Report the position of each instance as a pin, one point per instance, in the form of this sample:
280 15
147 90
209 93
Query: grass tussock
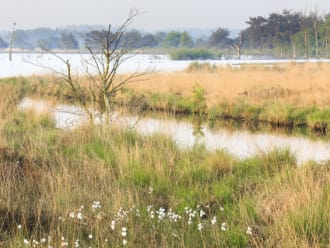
105 187
294 205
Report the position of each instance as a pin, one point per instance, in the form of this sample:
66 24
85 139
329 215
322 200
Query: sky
155 14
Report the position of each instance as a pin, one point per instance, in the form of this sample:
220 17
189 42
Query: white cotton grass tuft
202 213
161 213
214 220
249 231
191 214
196 217
224 226
113 225
200 226
96 205
124 231
65 243
79 216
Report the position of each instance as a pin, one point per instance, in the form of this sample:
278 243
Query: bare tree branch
107 50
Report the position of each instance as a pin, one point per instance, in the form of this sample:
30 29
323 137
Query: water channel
239 143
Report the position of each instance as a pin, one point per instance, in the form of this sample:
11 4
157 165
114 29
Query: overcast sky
157 14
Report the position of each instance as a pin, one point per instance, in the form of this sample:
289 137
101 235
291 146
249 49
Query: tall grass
294 95
106 187
293 205
298 85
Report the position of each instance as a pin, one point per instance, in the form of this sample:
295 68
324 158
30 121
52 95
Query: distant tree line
35 38
294 34
285 34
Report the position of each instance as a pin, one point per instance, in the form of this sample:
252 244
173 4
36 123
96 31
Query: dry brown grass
293 204
294 84
9 96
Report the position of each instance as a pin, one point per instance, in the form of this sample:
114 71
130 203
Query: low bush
192 54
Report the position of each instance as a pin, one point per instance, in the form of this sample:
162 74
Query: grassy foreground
104 187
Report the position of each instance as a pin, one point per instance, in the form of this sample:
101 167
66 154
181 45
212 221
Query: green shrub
199 99
192 54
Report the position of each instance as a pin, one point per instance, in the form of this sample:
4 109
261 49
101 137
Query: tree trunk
306 44
327 45
316 38
239 52
106 100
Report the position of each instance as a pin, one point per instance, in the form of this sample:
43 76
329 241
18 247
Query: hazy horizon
160 15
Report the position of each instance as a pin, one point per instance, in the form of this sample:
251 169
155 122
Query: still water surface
240 143
33 63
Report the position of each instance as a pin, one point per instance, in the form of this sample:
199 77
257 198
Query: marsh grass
107 187
297 219
292 84
291 95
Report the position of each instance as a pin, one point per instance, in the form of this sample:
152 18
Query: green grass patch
192 54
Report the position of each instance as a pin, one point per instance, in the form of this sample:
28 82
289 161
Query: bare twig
107 50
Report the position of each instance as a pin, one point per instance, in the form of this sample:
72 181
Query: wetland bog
101 186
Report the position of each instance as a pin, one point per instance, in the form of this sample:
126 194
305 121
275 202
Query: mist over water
31 64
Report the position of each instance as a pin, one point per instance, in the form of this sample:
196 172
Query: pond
240 143
33 63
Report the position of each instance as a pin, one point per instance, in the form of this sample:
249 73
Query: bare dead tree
107 50
304 27
12 41
327 38
315 24
237 45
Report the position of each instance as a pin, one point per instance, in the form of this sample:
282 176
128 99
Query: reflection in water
198 127
255 126
242 144
25 64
